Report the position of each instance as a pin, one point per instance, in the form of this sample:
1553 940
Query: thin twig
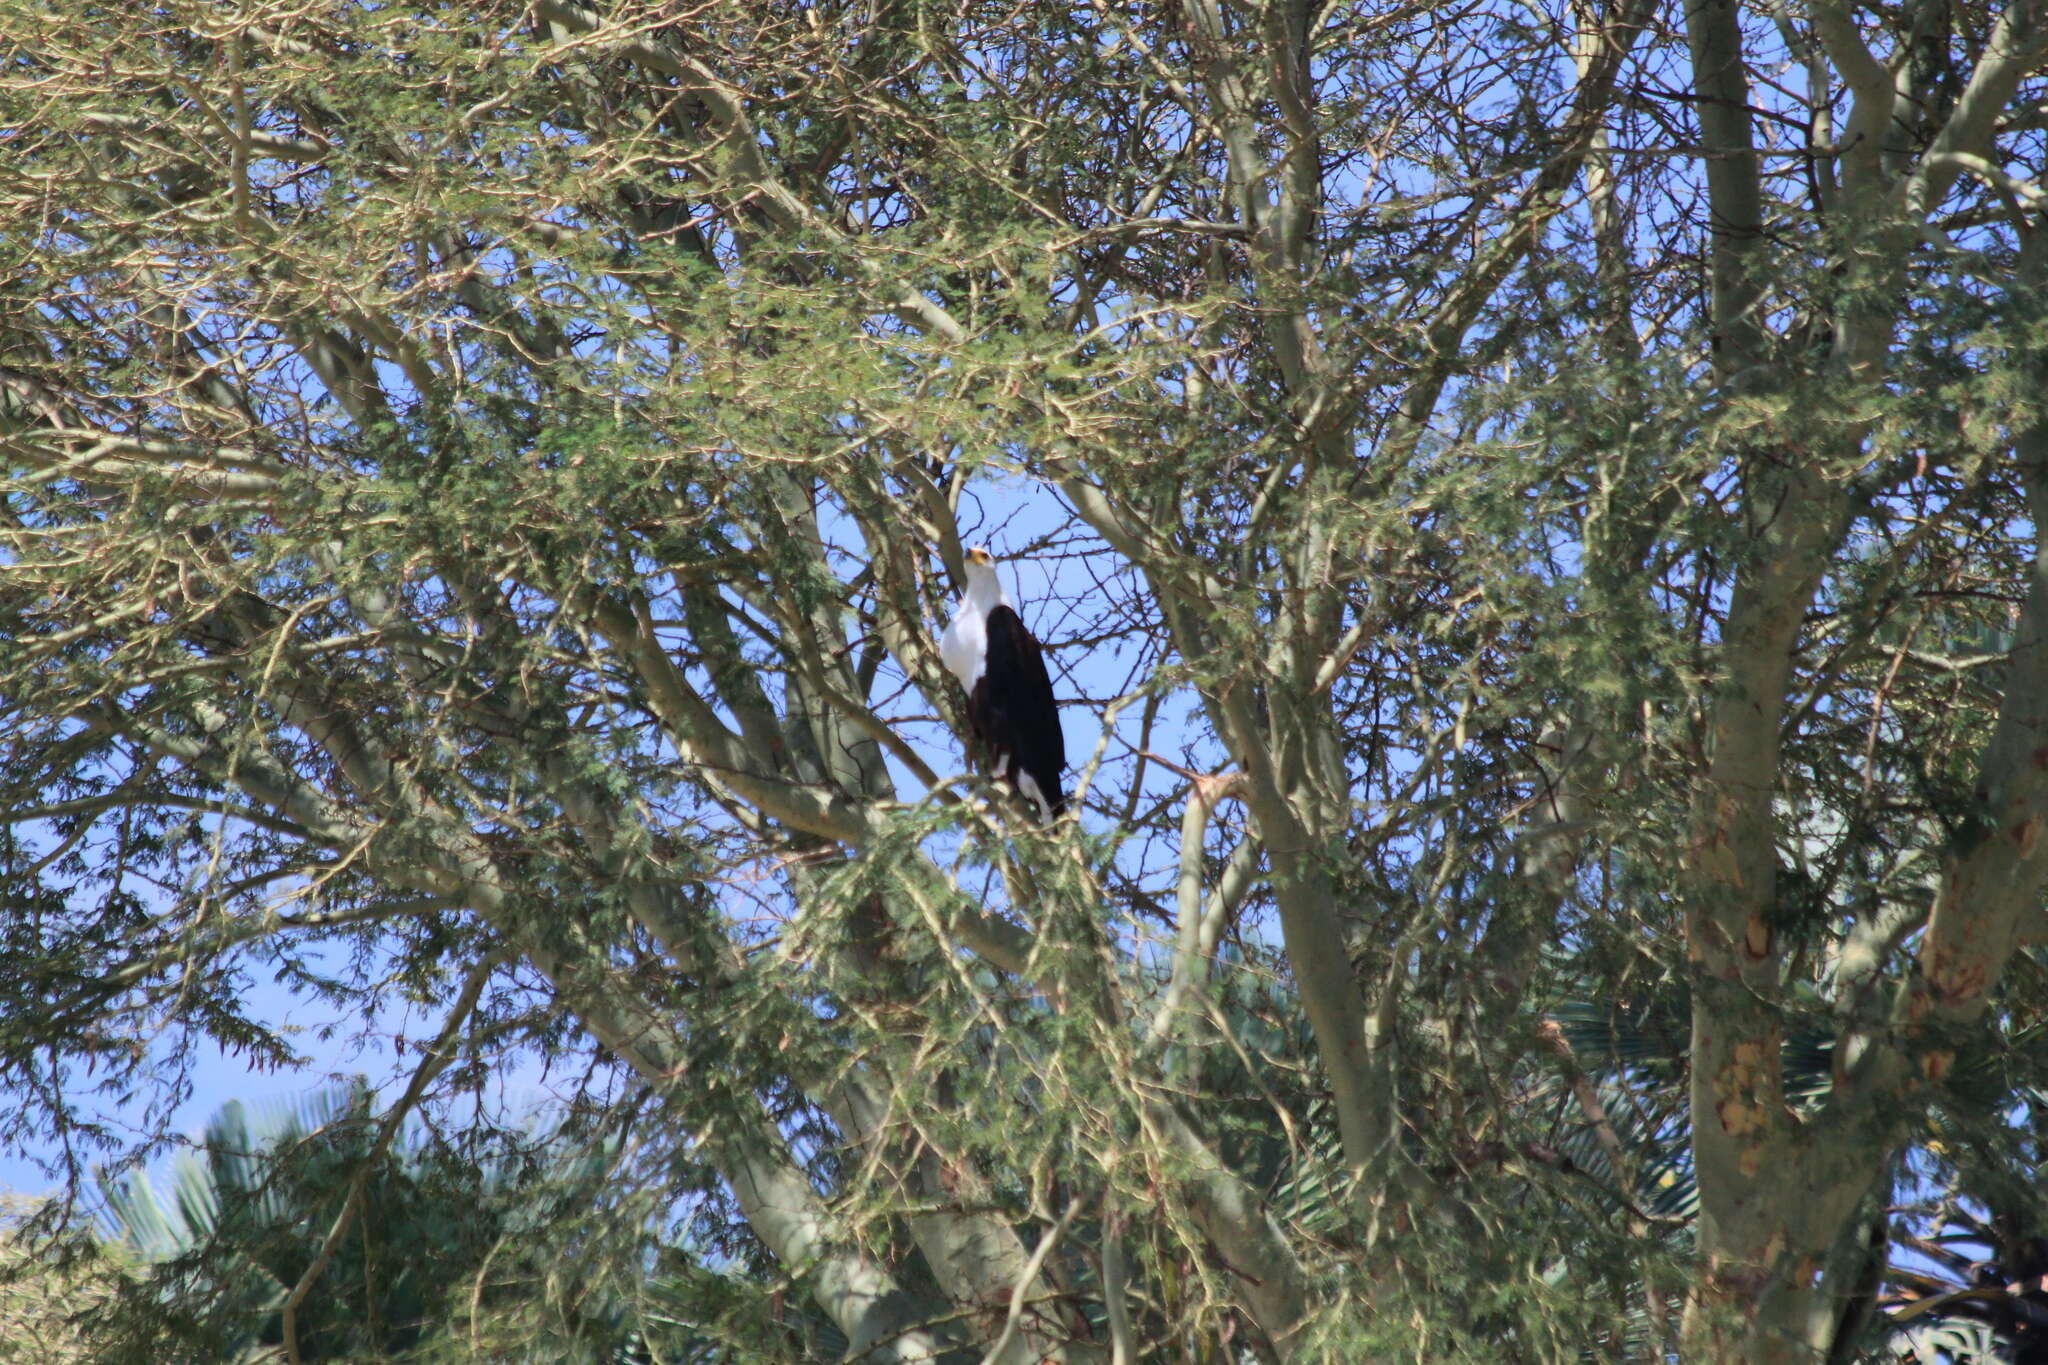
437 1058
1029 1278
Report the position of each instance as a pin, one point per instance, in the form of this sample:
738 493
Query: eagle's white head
984 589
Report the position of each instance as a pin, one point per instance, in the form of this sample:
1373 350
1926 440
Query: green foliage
44 1295
436 1237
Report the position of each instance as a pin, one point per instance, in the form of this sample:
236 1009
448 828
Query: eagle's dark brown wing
1013 712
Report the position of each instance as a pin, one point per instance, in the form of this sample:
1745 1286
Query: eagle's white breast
964 646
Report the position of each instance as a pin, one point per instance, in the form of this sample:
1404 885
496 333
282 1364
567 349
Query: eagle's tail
1052 806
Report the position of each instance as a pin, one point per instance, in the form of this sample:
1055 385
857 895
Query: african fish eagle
1009 696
